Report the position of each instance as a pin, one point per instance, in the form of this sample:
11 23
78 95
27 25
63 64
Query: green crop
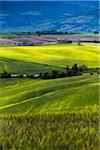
50 131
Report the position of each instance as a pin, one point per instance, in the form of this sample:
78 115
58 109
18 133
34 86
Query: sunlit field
51 114
67 94
60 55
29 95
49 75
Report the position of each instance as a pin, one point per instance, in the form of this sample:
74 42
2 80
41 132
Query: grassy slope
27 95
56 55
17 66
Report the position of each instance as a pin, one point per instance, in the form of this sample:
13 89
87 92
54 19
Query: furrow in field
33 84
34 92
59 98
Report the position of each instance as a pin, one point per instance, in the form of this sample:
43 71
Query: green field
54 114
28 95
29 59
17 66
59 131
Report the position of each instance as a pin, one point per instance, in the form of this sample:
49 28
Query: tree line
39 33
67 72
75 70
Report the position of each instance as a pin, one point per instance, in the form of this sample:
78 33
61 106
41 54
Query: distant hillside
72 16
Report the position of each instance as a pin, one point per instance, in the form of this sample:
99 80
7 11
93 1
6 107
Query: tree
96 32
45 75
54 74
82 68
62 74
6 74
67 68
75 68
38 33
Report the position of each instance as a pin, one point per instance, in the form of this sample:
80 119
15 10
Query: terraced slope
27 95
56 55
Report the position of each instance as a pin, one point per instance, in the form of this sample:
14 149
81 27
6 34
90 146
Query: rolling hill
28 95
18 66
31 59
49 111
51 114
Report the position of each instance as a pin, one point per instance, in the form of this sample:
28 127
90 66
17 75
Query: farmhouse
36 75
14 75
25 76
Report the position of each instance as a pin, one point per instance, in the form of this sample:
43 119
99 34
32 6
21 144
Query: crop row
50 131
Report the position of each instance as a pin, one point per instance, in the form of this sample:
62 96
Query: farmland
30 59
49 75
48 95
18 66
49 114
47 39
67 94
59 131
